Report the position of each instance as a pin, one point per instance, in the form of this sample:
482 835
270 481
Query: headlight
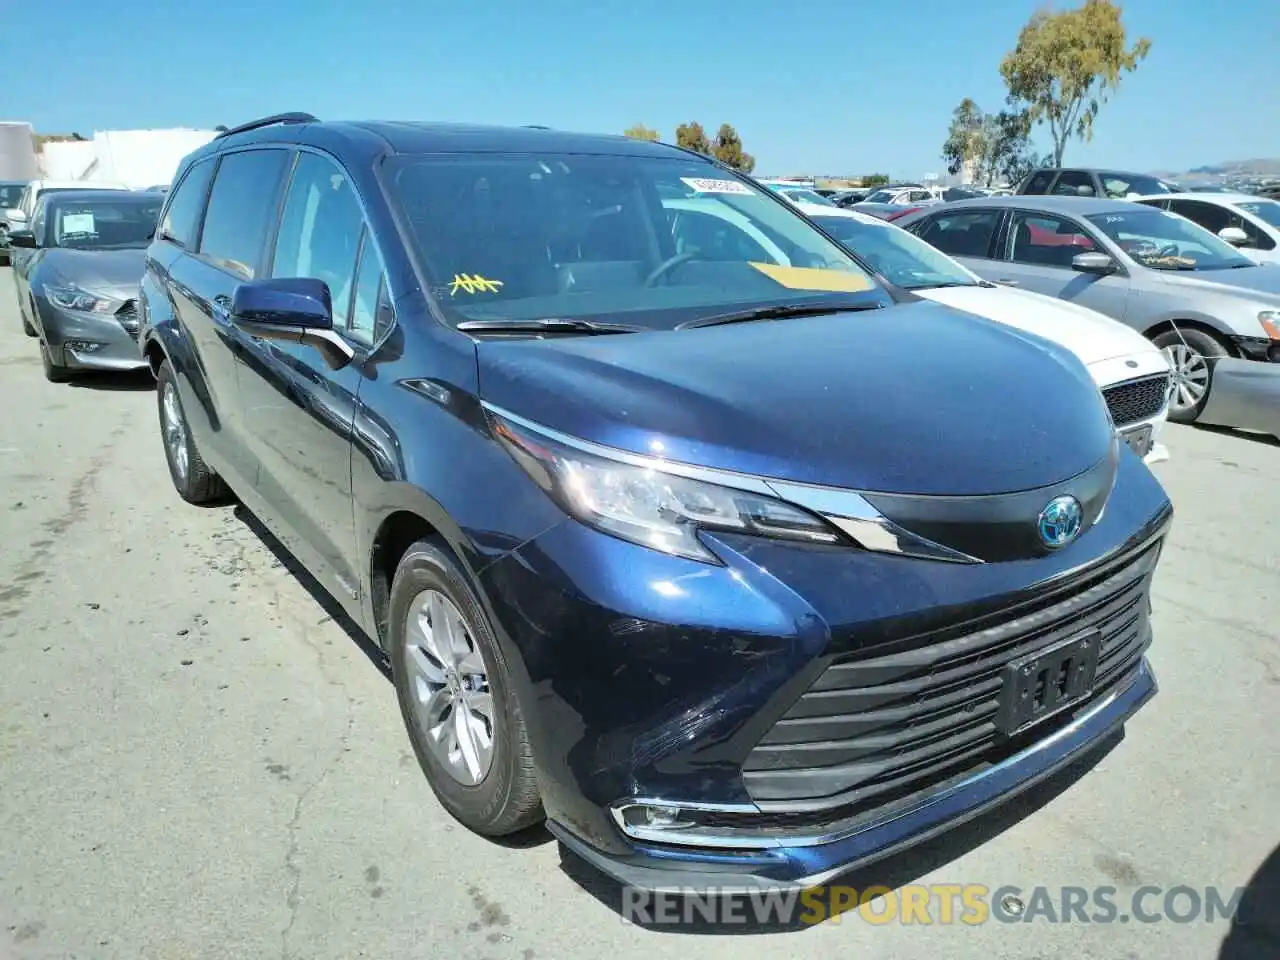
1270 320
649 507
73 298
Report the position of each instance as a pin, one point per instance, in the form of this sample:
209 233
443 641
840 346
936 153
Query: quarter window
369 314
241 206
320 230
182 216
1045 240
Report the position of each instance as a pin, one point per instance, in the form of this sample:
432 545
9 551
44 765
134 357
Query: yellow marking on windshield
814 278
473 283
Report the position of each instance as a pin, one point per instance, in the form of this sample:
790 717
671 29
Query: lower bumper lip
796 864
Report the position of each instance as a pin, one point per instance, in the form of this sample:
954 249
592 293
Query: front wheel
454 688
192 477
1191 354
53 372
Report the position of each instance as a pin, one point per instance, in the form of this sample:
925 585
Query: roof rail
294 117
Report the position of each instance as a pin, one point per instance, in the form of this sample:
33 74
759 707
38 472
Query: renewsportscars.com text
937 903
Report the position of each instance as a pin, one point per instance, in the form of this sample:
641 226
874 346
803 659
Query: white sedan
1244 220
1131 372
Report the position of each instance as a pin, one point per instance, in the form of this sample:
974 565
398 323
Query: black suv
1080 182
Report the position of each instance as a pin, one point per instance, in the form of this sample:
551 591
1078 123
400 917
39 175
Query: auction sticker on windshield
703 185
77 223
814 278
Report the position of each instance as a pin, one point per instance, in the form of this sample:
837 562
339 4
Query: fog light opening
698 825
82 346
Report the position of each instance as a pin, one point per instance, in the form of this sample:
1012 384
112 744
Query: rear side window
242 204
182 218
966 234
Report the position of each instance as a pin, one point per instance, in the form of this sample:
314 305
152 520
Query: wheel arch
1219 333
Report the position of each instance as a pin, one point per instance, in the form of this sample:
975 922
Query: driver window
1074 183
320 230
1046 240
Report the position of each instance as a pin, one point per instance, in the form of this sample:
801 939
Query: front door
299 412
1037 257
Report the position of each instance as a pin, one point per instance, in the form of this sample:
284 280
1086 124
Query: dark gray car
78 278
1190 292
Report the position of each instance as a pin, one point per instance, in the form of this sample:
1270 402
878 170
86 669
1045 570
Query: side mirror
292 310
1234 236
1097 263
23 238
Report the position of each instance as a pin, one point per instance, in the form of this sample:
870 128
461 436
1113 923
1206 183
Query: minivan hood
1086 333
1258 279
916 398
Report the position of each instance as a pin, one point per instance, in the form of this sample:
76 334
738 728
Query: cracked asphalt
197 760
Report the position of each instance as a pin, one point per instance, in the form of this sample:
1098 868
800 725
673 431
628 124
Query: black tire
197 483
28 329
53 372
1204 347
506 800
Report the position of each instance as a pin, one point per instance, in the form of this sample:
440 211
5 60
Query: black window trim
363 347
204 203
198 253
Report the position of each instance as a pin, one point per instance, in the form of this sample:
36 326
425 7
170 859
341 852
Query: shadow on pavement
535 836
1263 438
892 873
138 381
1255 932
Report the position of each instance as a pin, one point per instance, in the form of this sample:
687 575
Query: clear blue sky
859 87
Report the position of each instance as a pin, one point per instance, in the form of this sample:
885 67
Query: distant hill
1262 167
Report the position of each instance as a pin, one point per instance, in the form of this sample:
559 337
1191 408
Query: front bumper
649 679
795 866
89 341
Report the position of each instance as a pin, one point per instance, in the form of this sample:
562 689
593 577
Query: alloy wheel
452 699
175 431
1190 376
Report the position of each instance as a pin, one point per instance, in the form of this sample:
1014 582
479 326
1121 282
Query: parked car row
732 542
1214 311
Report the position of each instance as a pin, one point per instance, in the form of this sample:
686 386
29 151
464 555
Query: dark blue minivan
680 528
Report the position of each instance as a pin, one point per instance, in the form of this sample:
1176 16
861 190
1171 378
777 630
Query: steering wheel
667 265
1169 250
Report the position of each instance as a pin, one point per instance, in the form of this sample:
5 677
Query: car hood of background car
916 398
1244 281
98 271
1086 333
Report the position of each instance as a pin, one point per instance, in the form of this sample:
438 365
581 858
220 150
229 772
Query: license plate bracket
1139 439
1038 685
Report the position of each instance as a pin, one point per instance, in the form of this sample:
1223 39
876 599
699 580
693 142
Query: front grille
906 718
1136 400
127 317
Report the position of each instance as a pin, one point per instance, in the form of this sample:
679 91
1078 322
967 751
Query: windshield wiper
779 312
545 325
944 285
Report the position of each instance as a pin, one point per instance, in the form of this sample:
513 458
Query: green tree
640 132
728 149
966 137
874 179
691 136
1066 65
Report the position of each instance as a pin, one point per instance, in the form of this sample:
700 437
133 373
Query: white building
136 158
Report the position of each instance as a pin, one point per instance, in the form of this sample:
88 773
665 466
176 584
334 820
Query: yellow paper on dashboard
814 278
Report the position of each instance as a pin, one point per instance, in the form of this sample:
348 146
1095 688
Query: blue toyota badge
1060 521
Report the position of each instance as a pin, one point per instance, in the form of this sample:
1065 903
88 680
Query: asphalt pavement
198 759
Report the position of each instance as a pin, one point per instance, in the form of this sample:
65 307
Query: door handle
1007 281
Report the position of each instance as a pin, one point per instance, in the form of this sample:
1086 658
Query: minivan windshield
902 258
98 224
1165 241
645 241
